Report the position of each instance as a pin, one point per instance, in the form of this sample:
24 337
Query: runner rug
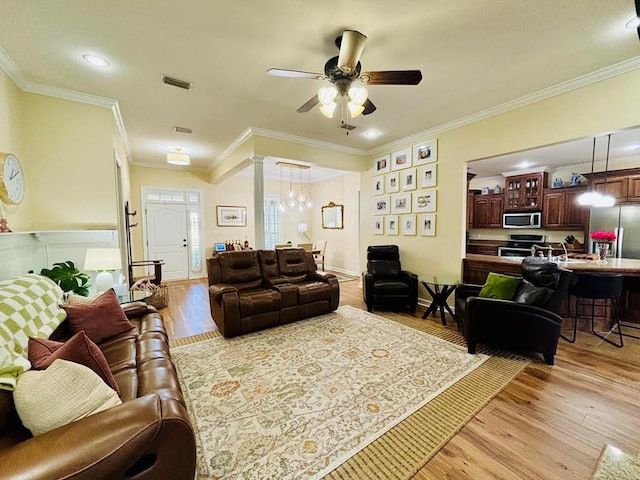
346 395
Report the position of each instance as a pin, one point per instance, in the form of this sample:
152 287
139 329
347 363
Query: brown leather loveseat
253 290
149 436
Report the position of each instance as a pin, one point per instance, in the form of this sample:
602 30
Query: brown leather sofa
254 290
148 437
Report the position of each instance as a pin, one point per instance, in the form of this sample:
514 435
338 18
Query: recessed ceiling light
96 61
371 134
633 23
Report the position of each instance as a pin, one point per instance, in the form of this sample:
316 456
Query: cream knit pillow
61 394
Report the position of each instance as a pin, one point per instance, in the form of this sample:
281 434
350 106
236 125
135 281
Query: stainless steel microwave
522 220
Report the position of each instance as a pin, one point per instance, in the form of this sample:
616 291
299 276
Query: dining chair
318 251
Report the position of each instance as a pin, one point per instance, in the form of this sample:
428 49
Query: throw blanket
29 307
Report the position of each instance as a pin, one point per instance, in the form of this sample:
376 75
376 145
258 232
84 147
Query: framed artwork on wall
392 183
427 224
401 159
401 203
382 165
381 205
426 152
229 216
408 224
408 179
378 225
378 185
425 201
391 224
428 175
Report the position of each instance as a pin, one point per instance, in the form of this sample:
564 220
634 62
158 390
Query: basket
160 297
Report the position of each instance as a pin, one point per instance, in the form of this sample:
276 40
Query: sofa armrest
137 309
409 275
217 291
104 445
468 290
320 276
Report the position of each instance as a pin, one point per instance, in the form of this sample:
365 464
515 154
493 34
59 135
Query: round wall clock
12 179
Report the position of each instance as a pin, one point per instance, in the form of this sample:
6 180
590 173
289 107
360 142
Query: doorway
173 231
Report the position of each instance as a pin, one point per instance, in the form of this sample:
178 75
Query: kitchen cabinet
524 192
560 208
487 210
623 185
470 209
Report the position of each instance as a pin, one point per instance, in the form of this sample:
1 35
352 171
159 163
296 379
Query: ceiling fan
343 71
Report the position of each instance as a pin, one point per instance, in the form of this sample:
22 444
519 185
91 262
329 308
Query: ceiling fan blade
351 47
369 107
397 77
279 72
313 101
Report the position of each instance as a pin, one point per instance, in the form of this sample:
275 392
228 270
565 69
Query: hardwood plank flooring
550 423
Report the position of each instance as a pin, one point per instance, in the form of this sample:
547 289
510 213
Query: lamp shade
99 259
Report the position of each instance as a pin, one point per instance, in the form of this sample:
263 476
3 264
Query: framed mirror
332 216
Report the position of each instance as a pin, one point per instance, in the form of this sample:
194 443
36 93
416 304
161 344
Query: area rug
614 464
298 400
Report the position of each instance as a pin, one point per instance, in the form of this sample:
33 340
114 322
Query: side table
440 288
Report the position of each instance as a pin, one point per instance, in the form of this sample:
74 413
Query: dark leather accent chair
385 283
530 322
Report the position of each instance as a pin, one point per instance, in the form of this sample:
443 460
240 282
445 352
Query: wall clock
11 179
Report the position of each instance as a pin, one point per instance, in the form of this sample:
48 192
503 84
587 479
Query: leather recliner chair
385 283
529 322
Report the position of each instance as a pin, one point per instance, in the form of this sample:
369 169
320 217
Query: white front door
166 226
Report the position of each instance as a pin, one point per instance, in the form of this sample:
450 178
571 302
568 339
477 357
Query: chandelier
294 199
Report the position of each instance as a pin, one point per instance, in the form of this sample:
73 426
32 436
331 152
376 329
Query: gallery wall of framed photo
405 191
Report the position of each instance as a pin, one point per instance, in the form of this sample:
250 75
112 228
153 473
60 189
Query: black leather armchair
385 283
529 322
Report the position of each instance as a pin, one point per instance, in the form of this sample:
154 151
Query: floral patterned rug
298 400
614 464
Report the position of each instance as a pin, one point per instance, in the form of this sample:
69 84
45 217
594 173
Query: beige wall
595 109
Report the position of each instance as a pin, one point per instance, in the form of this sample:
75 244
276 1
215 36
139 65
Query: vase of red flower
603 241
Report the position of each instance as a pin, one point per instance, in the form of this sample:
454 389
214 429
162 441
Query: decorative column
258 201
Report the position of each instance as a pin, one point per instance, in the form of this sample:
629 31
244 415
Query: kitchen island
475 269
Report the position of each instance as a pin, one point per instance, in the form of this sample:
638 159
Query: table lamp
101 260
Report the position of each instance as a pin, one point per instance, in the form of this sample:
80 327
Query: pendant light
603 199
590 196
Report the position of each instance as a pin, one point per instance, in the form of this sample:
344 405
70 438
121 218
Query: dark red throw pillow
78 349
101 319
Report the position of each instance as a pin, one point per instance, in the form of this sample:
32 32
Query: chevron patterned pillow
29 307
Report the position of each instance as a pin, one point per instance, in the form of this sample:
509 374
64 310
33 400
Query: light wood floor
549 423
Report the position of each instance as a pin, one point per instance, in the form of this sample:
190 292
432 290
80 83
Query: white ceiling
474 54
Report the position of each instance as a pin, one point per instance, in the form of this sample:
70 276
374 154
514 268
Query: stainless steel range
520 245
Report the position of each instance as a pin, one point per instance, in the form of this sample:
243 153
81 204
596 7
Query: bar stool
597 286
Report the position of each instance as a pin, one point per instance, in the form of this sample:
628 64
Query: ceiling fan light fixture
354 109
358 95
178 158
603 201
326 95
588 198
327 110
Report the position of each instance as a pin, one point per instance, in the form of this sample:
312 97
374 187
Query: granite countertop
613 265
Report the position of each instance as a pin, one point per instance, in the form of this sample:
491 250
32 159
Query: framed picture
381 205
378 185
382 165
401 159
408 224
408 179
229 216
427 224
428 175
391 222
424 201
401 203
378 225
393 182
426 152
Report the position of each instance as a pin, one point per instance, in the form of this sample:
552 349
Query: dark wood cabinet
487 210
524 192
560 208
623 185
470 209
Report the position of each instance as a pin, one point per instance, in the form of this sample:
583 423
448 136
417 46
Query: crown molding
230 149
9 66
166 166
117 116
307 141
558 89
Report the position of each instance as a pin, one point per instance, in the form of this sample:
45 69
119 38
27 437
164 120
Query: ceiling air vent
183 130
175 82
348 127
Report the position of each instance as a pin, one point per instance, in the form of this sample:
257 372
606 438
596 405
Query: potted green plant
68 277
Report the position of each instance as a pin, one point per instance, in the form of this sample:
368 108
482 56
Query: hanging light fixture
605 200
294 201
178 158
